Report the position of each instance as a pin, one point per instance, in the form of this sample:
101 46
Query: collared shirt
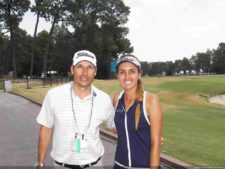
57 112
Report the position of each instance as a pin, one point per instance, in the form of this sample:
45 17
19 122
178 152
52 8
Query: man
75 111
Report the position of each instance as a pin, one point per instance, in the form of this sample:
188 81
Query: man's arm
44 140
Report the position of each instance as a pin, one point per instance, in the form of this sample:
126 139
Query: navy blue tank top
133 147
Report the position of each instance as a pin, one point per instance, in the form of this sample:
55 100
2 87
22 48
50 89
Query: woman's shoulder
152 103
151 99
151 96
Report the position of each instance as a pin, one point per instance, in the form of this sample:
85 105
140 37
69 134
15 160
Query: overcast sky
166 30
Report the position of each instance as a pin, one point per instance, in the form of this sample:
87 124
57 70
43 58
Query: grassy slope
193 127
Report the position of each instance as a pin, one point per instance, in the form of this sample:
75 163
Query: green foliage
23 48
99 27
40 42
4 52
11 14
63 49
202 62
219 59
210 62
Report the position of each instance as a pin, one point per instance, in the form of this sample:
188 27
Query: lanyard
74 113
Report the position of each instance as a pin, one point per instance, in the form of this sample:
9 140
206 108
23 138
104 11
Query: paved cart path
19 133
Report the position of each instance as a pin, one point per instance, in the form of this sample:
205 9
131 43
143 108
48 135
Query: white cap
129 58
84 55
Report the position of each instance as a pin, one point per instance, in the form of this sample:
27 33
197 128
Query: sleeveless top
133 147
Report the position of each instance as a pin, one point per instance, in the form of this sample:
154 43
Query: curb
165 159
28 98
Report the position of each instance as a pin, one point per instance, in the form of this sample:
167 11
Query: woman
138 118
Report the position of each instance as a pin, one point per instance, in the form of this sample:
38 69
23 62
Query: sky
167 30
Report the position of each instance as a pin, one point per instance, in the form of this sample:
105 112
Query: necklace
74 114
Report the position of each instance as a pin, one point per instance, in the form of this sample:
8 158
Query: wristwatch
39 165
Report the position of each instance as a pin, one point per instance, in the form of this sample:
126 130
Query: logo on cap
84 55
81 54
129 58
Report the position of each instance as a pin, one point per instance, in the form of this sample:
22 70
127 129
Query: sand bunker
220 99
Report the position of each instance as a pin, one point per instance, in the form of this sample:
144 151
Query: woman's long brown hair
139 94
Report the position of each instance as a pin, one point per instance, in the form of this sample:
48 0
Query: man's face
83 73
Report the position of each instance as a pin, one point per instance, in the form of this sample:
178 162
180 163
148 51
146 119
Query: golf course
193 128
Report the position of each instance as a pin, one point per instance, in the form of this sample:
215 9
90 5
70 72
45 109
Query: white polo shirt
57 112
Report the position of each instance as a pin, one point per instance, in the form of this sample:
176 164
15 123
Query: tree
40 42
63 50
204 60
170 69
157 68
178 66
11 13
99 27
208 61
40 10
22 52
1 57
186 65
145 68
114 17
218 60
4 41
56 12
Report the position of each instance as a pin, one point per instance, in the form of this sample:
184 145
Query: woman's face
128 75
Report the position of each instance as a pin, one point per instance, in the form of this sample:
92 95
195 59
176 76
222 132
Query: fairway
193 128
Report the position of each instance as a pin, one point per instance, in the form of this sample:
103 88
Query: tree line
209 62
95 25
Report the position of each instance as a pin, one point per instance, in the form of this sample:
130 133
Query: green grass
211 85
193 128
36 94
195 134
109 86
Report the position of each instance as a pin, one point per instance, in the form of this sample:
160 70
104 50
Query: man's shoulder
62 89
100 92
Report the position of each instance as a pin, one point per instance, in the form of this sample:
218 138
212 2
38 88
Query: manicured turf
193 128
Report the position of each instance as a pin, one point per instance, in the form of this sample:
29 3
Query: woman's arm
155 115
